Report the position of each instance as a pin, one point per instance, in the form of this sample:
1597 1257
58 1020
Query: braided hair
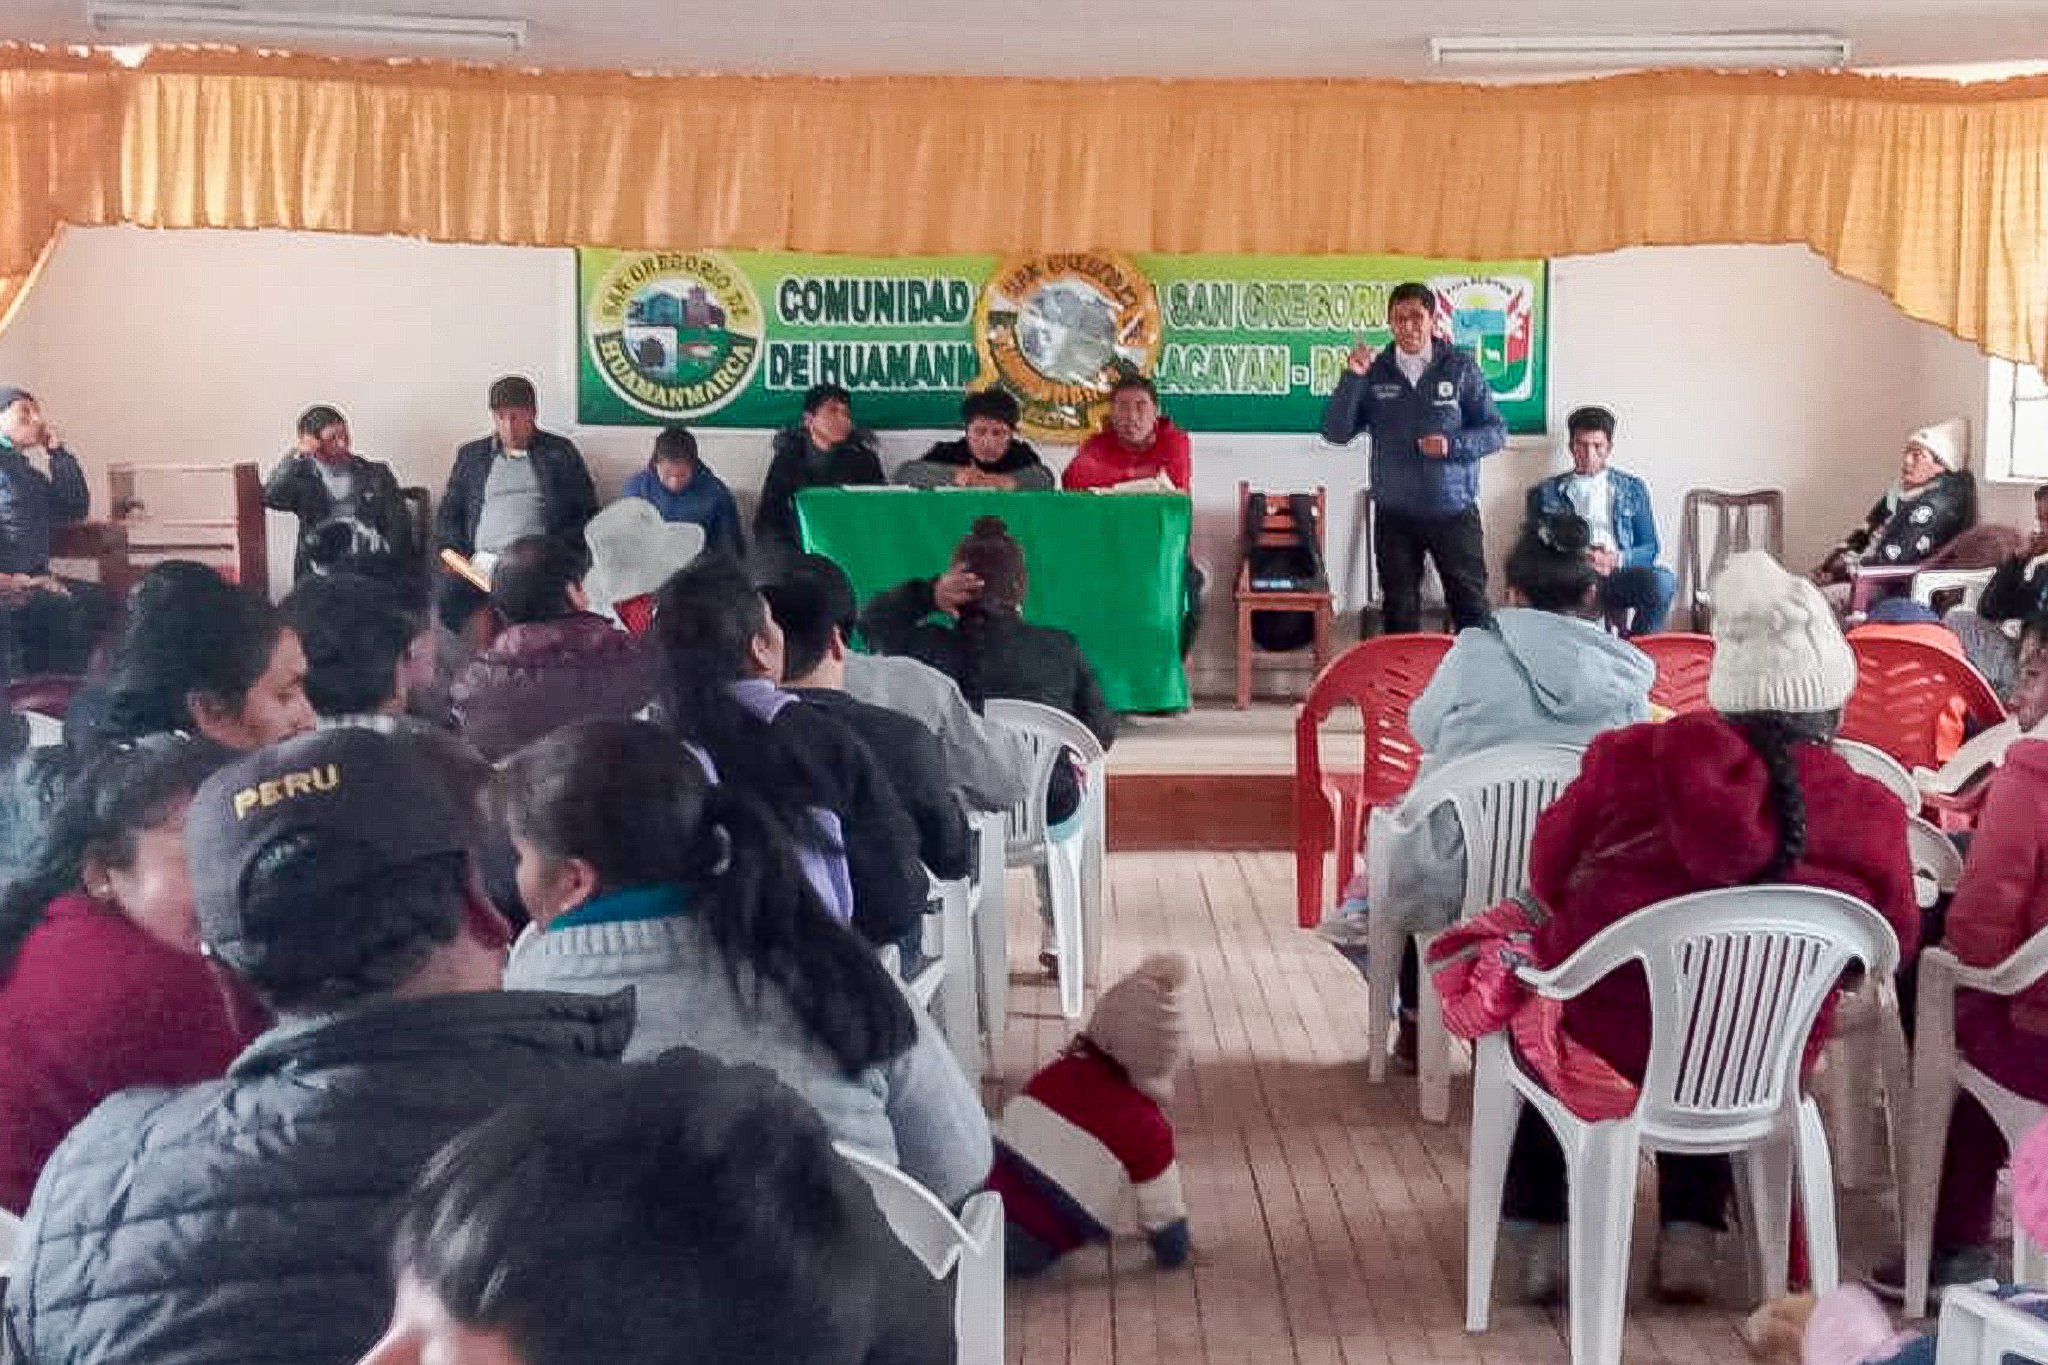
993 555
1776 735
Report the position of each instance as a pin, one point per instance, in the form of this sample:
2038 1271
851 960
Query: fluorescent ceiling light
1605 50
141 20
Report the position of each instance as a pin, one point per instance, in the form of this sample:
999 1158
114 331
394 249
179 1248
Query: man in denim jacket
1633 586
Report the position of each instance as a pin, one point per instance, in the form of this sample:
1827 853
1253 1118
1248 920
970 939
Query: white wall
1730 367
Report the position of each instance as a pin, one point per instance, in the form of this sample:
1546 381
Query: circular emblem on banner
1493 317
1058 330
675 333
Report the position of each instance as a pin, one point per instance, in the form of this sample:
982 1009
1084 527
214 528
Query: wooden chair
105 543
1277 528
242 538
1741 521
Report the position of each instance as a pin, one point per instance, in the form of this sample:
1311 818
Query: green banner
1234 343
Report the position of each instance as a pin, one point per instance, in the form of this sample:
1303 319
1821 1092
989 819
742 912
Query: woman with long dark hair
101 982
639 871
201 656
1751 791
720 655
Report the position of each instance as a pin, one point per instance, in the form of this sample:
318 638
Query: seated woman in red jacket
101 983
1748 792
2001 902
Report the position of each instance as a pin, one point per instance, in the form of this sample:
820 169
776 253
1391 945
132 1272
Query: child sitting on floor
1086 1140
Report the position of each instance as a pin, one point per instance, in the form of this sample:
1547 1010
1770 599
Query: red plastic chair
1683 662
1903 690
1381 677
49 694
636 614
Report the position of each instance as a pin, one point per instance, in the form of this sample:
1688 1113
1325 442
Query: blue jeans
1640 596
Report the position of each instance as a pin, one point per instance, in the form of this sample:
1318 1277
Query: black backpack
1293 567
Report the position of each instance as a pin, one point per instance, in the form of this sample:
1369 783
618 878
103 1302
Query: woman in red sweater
101 982
2001 902
1749 792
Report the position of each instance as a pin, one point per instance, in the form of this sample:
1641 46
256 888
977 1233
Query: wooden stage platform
1213 777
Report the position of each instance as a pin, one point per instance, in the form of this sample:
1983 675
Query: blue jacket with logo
1635 525
1452 400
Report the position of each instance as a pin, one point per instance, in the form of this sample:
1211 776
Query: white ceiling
1184 38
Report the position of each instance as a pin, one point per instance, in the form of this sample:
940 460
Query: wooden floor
1328 1220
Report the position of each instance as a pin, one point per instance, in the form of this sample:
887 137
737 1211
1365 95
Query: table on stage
1112 570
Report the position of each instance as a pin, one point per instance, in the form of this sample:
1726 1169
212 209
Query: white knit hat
1942 440
1138 1022
1776 644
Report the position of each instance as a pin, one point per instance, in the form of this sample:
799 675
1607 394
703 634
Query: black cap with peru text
366 802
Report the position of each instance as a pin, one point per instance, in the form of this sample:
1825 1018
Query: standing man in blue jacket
1616 508
1431 417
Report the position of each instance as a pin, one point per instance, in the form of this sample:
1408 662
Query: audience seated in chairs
1933 501
101 983
1544 672
240 1219
2018 590
721 660
555 661
809 604
685 1211
1749 792
1635 589
2001 902
641 873
47 624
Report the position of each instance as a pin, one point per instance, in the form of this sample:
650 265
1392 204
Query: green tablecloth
1112 570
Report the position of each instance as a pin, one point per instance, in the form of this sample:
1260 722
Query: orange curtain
1932 192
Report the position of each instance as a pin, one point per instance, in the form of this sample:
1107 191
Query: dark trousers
1641 597
1457 546
53 633
1690 1189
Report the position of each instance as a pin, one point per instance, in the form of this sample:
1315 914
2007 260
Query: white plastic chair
1928 582
1874 762
10 1238
1735 977
968 1248
1977 1329
958 986
1870 1040
1497 796
991 926
1938 1070
1069 870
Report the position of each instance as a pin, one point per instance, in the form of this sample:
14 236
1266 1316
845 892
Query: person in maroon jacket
556 661
101 983
1748 792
